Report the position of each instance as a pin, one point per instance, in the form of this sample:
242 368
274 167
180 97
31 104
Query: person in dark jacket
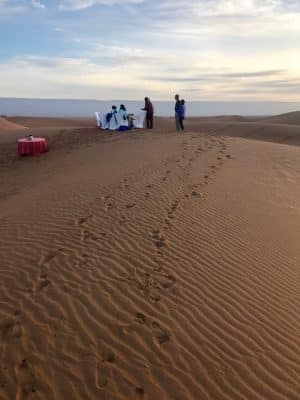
149 112
177 106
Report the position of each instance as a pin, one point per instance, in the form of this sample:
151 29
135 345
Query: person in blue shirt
181 114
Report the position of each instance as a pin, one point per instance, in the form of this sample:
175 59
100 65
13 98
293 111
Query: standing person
149 112
181 114
177 105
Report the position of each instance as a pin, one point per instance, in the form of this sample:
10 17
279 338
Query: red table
32 147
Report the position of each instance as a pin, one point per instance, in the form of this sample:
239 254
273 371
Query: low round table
32 147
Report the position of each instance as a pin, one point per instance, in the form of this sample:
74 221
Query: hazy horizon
86 107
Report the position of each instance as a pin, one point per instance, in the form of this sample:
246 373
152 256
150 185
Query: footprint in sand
40 284
10 328
123 220
159 241
147 195
25 379
175 205
156 233
170 214
195 193
154 296
228 156
108 206
127 329
82 220
107 355
149 186
139 392
85 235
48 257
102 375
125 184
140 318
167 223
160 335
168 281
131 205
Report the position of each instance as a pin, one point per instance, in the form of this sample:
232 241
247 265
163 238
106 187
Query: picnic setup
116 120
120 120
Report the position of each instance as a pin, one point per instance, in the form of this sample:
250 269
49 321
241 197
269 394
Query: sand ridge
292 118
8 125
153 266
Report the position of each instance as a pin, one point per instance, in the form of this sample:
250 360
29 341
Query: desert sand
151 265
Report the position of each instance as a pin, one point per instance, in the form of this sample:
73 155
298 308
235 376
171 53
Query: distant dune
83 108
223 118
292 118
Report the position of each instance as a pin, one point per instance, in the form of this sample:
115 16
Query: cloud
208 48
214 77
38 4
172 8
8 7
120 55
73 5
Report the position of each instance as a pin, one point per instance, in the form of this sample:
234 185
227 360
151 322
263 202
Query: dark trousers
149 120
181 123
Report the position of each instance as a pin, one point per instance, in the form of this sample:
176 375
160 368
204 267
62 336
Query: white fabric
139 120
101 120
98 120
120 118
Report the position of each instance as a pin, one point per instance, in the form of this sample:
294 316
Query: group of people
120 115
179 113
128 118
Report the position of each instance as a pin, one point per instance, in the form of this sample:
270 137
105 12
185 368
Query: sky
111 49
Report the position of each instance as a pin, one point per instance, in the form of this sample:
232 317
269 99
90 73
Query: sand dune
8 125
258 130
151 266
292 118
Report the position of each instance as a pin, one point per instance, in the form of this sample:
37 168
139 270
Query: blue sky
104 49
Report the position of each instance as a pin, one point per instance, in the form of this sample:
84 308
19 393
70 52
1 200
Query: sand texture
151 265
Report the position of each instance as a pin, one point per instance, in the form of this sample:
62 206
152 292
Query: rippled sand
151 265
